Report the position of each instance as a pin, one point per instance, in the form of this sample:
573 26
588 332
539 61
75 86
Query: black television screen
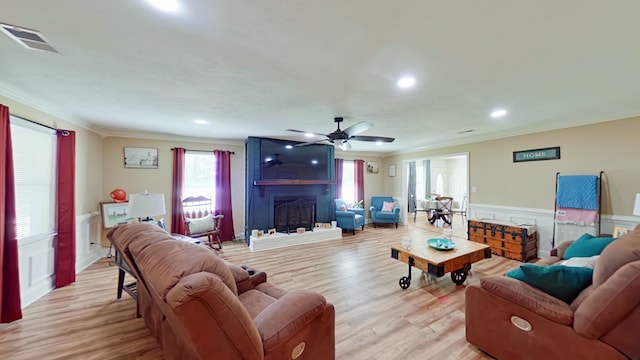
281 160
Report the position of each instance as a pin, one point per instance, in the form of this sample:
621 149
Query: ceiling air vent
30 39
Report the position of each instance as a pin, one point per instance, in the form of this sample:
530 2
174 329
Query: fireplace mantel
293 182
287 182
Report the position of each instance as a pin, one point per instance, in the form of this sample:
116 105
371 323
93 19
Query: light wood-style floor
375 319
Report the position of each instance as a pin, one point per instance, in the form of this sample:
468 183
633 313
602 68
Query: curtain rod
231 152
34 122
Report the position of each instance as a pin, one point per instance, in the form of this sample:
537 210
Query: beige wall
160 180
88 154
611 147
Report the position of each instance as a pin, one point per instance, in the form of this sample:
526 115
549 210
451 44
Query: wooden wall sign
537 154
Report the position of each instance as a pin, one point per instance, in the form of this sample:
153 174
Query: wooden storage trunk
518 242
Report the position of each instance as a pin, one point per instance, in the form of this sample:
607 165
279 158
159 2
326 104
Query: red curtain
10 309
65 249
223 193
359 180
339 163
177 216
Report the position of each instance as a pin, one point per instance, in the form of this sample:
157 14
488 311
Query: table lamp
144 206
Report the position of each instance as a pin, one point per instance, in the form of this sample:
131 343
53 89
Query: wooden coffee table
439 262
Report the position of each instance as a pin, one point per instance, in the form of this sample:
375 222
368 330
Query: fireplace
291 213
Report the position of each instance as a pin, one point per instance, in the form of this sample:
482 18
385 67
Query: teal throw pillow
587 245
559 281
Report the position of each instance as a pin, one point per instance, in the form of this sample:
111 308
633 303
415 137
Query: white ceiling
257 68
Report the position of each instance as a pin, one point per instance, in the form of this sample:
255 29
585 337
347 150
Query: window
348 181
34 163
200 175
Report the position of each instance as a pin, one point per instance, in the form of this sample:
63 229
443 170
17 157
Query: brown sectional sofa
603 322
198 306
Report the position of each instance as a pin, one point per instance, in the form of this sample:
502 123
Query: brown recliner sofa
198 306
510 319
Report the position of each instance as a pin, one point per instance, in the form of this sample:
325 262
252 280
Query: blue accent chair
351 219
386 217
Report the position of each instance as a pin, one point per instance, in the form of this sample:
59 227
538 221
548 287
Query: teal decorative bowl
441 244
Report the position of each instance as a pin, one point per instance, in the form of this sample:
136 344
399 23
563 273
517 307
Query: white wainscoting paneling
36 257
35 265
543 219
88 248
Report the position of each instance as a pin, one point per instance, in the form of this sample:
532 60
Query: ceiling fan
341 137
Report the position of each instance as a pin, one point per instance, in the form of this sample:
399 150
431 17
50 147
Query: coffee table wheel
459 276
404 282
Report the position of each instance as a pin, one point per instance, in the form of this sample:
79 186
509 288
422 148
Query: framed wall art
115 214
140 158
551 153
372 167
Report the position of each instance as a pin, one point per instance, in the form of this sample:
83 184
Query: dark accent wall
259 199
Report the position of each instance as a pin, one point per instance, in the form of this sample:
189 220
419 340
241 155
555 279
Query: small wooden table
439 262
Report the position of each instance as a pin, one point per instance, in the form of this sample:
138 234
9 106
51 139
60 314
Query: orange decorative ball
118 195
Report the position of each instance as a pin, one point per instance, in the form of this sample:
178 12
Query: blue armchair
379 216
352 218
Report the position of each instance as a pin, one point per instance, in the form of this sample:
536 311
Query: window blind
34 162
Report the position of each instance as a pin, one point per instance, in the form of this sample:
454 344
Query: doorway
446 175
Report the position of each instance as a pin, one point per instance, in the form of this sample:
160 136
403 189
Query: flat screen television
281 160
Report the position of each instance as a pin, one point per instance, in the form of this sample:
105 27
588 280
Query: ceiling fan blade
358 128
307 132
372 138
312 142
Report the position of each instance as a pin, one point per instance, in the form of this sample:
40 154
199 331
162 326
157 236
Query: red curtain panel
223 193
65 250
177 216
359 180
10 309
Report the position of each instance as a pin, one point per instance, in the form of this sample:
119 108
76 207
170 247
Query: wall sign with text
537 154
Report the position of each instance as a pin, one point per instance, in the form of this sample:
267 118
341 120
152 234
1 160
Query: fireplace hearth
291 213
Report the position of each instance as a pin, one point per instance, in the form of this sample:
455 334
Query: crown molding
45 107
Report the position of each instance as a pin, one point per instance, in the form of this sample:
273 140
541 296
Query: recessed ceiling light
166 5
406 82
289 146
498 113
200 121
309 135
